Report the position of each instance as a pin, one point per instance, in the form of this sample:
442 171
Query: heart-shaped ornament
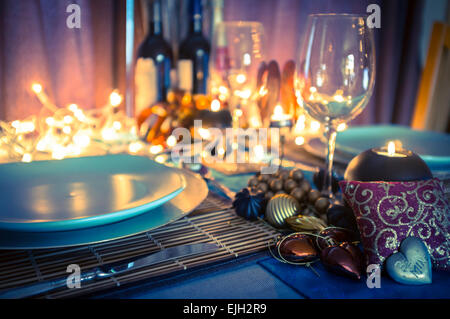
334 236
343 259
298 248
411 265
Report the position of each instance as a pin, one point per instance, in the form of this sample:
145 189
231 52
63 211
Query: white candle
391 151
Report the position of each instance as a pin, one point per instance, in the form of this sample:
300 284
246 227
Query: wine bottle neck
155 18
195 9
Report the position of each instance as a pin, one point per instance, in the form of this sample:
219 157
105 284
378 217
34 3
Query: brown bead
276 185
298 193
305 185
253 182
322 204
289 185
280 192
270 180
296 175
263 177
263 187
269 195
313 195
285 175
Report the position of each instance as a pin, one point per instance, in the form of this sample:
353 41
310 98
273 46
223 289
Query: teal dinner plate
76 193
317 147
190 197
432 147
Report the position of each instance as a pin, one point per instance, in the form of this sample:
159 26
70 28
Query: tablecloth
260 276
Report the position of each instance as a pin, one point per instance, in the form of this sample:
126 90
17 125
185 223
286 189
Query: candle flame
278 113
391 148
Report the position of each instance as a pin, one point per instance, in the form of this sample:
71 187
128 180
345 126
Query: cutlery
109 270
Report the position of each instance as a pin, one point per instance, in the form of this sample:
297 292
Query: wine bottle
217 14
156 49
194 54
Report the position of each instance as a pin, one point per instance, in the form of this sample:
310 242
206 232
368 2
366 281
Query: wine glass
236 54
335 75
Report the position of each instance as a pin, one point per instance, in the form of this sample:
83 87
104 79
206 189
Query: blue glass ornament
249 205
411 265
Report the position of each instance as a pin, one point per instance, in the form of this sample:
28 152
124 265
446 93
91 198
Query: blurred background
84 65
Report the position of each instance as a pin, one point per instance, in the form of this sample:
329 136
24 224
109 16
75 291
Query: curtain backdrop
83 65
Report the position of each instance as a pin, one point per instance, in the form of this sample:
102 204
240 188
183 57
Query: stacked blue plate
91 199
432 147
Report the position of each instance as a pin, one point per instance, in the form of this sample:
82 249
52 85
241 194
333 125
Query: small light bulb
215 105
59 152
36 87
160 159
27 158
135 147
68 119
223 90
115 98
117 125
15 124
315 126
341 127
155 149
171 141
50 121
67 129
81 140
73 107
299 140
241 78
204 133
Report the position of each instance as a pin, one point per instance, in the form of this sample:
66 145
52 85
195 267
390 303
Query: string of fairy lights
63 132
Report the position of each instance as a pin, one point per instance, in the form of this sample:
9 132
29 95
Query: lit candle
283 121
280 119
389 163
391 151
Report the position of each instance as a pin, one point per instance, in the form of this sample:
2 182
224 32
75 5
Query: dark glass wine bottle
195 49
156 48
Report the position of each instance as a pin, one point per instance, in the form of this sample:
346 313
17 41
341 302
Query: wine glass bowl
236 54
335 73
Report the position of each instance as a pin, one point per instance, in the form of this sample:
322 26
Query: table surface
260 276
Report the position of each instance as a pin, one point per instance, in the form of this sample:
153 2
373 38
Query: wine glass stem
330 133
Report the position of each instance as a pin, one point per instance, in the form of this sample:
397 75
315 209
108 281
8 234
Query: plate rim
96 220
354 151
201 190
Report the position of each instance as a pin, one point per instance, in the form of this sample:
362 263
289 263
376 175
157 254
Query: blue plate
76 193
432 147
178 207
